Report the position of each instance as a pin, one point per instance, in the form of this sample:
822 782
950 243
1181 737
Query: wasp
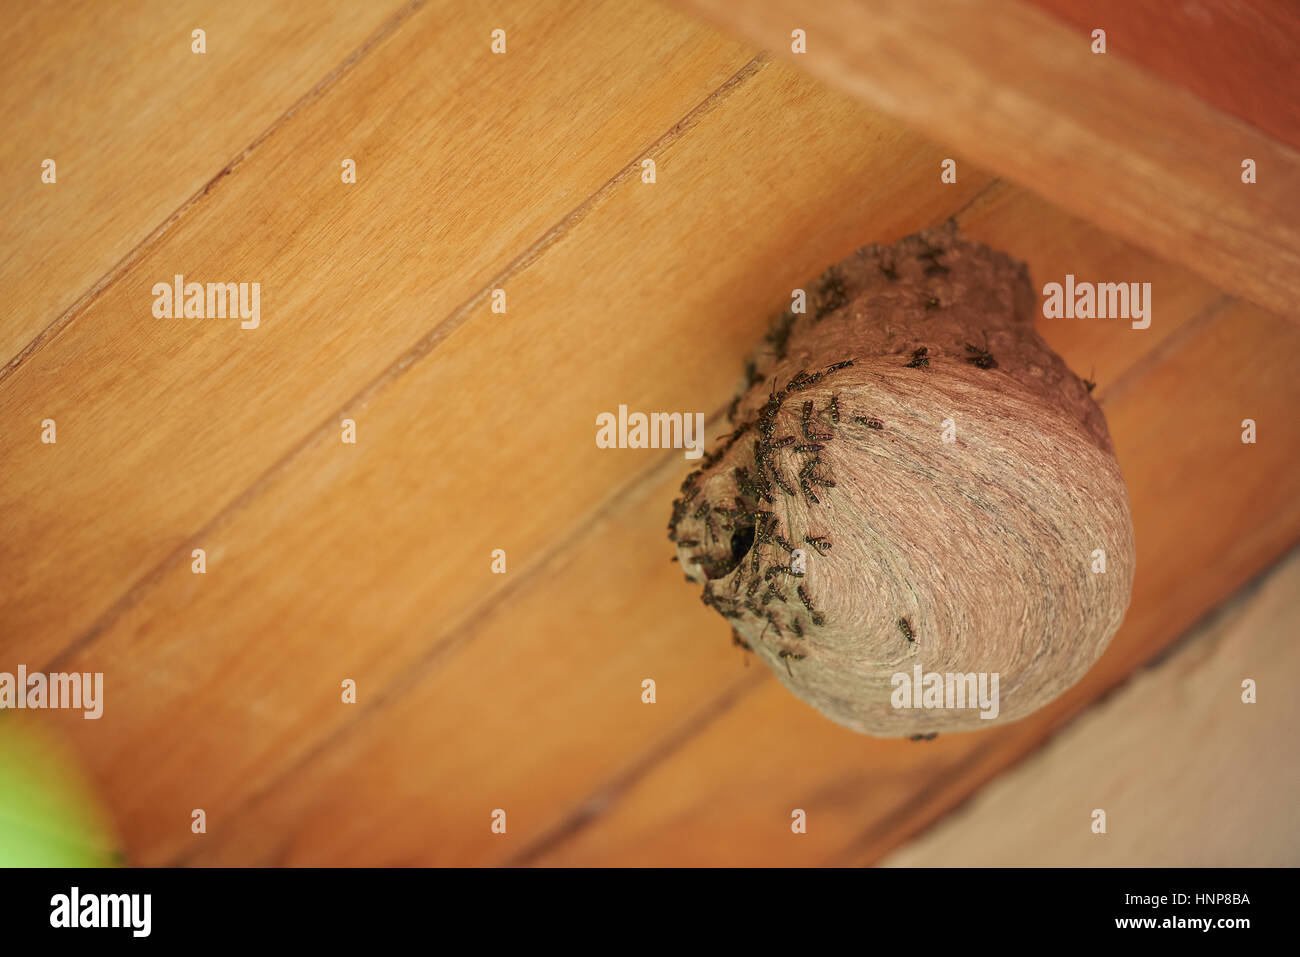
738 641
931 255
980 358
869 423
705 513
920 359
779 335
835 409
810 447
818 542
933 303
786 655
783 442
776 477
832 295
796 627
807 602
806 418
745 483
771 620
905 627
839 365
924 737
1089 384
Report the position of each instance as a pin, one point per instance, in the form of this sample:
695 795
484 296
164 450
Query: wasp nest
914 479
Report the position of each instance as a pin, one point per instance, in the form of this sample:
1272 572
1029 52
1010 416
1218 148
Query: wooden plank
1020 94
564 655
863 797
371 562
163 423
138 125
1238 57
392 540
1188 774
564 719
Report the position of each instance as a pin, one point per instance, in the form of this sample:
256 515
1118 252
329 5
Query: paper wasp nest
946 486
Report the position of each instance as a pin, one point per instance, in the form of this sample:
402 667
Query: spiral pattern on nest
967 556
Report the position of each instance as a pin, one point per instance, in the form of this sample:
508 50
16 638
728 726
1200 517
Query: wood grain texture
139 126
475 431
864 796
352 278
554 650
1020 94
1238 56
410 569
710 774
1166 757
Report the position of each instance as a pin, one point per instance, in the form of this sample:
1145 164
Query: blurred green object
49 816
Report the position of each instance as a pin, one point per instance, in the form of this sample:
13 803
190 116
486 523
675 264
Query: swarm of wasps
750 521
753 527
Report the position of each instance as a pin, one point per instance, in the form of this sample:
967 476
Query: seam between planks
399 366
463 631
468 626
587 810
470 623
88 298
1134 375
577 819
591 807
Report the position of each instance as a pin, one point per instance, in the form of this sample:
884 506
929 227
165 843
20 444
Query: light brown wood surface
140 127
352 279
1021 94
1187 773
475 431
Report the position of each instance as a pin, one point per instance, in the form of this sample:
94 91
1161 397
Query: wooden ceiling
328 561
